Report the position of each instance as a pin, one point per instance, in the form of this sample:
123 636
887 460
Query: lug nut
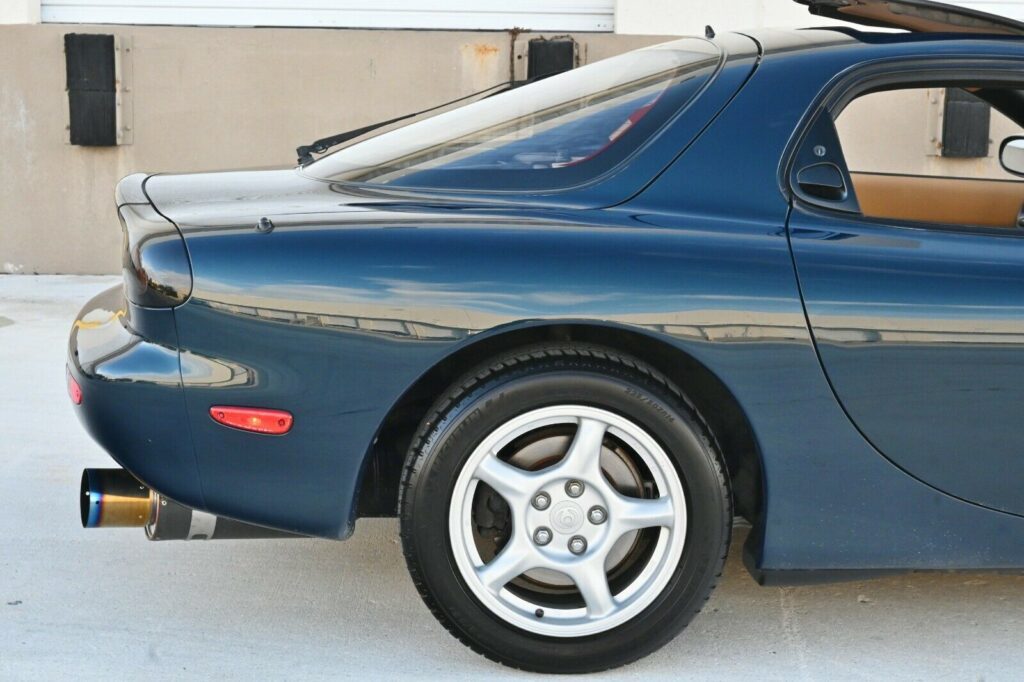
574 488
541 501
542 536
597 515
578 544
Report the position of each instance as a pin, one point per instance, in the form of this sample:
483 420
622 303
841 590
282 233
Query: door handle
824 181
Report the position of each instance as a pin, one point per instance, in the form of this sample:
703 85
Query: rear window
555 133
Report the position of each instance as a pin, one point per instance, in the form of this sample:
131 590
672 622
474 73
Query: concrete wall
210 98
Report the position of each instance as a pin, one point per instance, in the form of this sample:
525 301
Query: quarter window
555 133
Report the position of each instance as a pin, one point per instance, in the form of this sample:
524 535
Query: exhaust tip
89 502
112 498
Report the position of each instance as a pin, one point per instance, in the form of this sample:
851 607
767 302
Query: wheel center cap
566 517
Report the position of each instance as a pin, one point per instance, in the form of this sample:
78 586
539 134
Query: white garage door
539 15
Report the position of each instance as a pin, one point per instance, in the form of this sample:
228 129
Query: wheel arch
725 417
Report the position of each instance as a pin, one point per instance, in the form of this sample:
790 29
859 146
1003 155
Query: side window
931 155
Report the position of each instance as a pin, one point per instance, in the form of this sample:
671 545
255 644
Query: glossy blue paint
132 401
922 335
357 293
921 331
831 500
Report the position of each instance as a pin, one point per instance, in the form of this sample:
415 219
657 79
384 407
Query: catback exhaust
113 498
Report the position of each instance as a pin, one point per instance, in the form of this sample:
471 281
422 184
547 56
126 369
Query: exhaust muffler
113 498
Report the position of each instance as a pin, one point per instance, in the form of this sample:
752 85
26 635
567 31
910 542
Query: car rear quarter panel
337 331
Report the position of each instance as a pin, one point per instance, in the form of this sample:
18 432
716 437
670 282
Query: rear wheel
564 510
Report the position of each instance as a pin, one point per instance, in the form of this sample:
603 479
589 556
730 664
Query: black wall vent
965 125
548 57
92 96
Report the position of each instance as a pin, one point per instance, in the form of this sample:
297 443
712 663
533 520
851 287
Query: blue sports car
567 332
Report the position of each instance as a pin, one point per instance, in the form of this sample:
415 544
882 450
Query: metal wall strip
538 15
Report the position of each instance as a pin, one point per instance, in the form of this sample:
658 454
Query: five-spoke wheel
564 509
569 519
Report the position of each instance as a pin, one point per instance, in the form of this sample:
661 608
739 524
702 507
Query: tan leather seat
956 201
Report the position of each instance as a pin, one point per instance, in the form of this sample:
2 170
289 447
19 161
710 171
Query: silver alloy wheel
566 517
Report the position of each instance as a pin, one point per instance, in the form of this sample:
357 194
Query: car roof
776 41
920 16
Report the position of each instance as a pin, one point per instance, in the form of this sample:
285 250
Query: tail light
74 390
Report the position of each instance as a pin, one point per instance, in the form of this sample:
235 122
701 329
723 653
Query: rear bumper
126 363
133 374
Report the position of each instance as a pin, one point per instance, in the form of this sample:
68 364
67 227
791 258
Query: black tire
517 383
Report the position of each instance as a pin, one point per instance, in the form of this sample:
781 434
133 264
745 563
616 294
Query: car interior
961 186
929 199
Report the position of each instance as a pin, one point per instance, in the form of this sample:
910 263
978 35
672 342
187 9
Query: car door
917 311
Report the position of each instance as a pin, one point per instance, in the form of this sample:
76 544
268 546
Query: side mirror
1011 155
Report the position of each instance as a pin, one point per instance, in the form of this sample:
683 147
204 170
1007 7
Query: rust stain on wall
484 51
481 65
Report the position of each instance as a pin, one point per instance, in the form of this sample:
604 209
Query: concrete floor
108 604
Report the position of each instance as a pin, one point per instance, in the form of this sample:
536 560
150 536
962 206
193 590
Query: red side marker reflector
74 390
255 419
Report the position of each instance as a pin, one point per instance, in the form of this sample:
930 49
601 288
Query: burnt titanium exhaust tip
113 498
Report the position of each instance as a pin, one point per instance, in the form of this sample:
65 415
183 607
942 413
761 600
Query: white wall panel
538 15
688 17
1007 8
19 11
